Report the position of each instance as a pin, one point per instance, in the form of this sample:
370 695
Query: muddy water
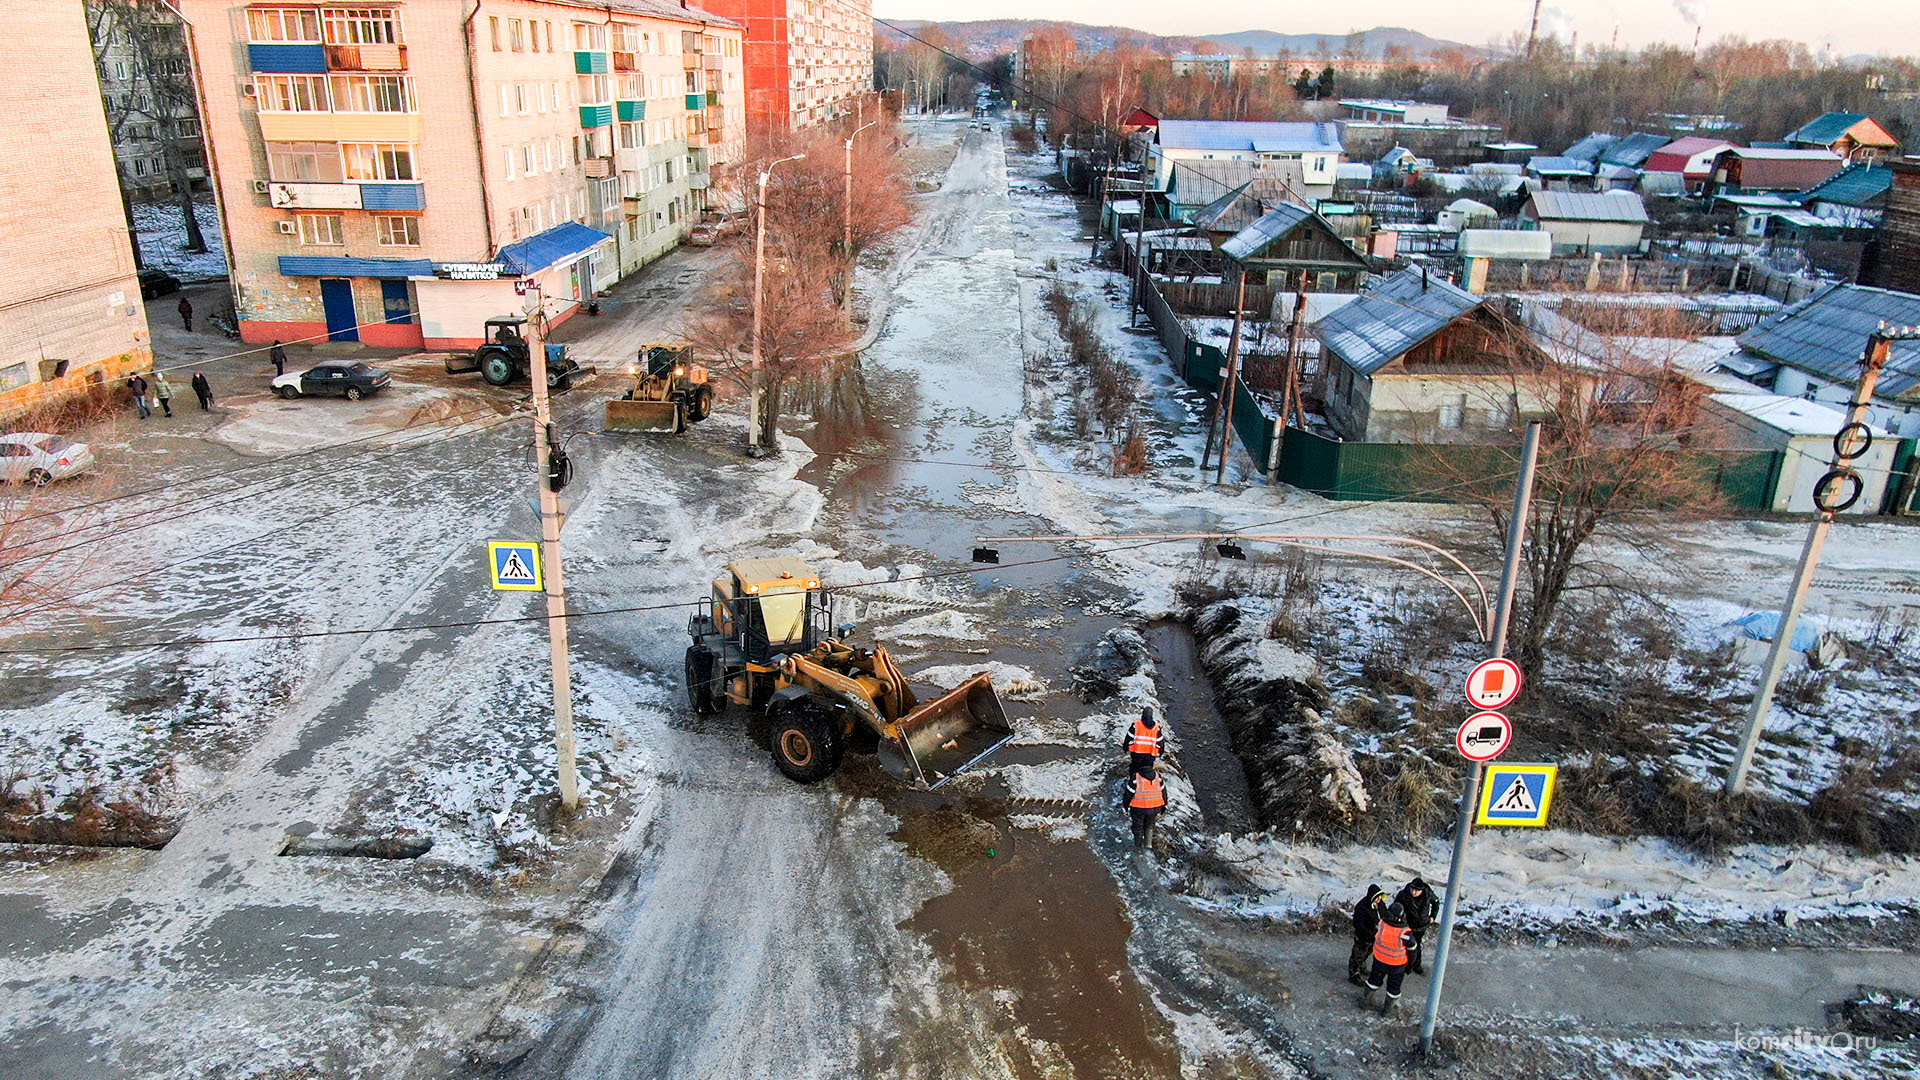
1199 733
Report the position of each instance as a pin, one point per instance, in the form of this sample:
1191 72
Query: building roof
1505 244
1230 212
1792 415
1855 185
1622 206
1825 129
1274 137
658 9
1673 157
1590 148
1405 310
1633 150
1504 146
1469 206
564 242
1555 165
1827 332
1780 153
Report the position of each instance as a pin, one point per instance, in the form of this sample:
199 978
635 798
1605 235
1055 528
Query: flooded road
1198 732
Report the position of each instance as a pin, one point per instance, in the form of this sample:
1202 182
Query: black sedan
157 283
351 379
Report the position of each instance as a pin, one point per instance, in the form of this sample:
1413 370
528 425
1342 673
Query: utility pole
754 403
846 239
1497 647
1851 442
1291 399
1213 417
550 554
1140 244
1233 371
1100 222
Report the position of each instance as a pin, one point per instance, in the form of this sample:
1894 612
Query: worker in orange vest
1144 741
1389 959
1146 797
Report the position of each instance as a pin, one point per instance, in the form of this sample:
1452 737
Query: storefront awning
346 267
564 243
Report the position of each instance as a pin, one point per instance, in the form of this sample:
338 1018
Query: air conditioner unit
289 227
246 89
260 187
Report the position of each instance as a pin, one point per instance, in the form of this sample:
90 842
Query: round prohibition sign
1493 684
1485 736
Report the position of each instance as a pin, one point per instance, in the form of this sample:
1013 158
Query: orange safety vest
1145 740
1390 944
1148 794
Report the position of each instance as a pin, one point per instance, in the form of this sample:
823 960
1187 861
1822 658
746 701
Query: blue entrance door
336 295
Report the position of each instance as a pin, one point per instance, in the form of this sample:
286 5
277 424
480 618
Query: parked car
351 379
157 283
703 234
37 458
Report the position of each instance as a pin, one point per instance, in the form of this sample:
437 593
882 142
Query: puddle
1206 750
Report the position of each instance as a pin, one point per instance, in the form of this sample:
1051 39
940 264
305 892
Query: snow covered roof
1269 227
1551 165
1405 310
1505 244
1270 137
1826 332
1468 206
1792 415
1616 206
1634 150
1590 148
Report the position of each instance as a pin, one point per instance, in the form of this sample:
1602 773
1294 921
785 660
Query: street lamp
846 241
754 448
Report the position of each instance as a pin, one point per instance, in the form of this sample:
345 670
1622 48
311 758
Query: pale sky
1890 27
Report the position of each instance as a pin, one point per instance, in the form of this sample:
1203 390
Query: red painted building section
767 62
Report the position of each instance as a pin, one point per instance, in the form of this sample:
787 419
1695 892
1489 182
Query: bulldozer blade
948 735
627 415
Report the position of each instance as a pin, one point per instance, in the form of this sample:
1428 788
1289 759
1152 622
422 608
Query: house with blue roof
1179 146
1812 350
1853 136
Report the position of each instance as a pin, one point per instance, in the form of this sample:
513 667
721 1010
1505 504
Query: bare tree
159 90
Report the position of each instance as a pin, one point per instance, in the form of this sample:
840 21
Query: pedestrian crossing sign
1516 794
515 565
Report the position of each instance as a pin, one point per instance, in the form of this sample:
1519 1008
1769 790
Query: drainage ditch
1199 732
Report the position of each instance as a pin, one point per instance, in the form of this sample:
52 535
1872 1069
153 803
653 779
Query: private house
1374 126
1856 194
1201 184
1582 223
1804 430
1851 136
1632 151
1590 148
1746 170
1555 173
1896 254
1421 359
1314 148
1812 350
1690 158
1289 240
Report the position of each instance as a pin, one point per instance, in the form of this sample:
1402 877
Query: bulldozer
766 640
668 393
503 356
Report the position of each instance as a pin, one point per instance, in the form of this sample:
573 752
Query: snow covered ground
163 240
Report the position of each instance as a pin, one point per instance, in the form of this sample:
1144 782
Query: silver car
37 458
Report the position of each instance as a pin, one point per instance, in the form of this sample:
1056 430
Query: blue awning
346 266
563 243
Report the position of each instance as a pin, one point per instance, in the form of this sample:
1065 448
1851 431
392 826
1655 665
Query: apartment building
70 310
388 172
152 116
808 61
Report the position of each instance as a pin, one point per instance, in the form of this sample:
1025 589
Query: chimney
1423 278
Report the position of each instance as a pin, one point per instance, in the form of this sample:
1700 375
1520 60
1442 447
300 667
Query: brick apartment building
386 172
70 309
808 61
141 56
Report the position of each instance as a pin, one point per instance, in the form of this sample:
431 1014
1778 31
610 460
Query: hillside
1374 43
984 38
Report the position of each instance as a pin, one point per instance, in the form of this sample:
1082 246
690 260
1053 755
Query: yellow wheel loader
668 393
766 640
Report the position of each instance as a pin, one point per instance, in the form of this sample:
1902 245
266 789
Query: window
632 136
626 38
291 93
509 156
533 36
283 24
322 230
520 99
304 162
516 35
372 93
362 26
1453 411
139 167
595 89
397 231
506 100
546 150
589 37
493 27
378 161
526 160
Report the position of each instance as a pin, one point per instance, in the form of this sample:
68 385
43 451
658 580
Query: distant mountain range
985 38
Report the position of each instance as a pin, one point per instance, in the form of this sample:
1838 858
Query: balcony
631 111
696 102
714 61
396 196
288 59
625 61
382 196
595 116
597 168
699 181
713 99
689 60
590 63
366 58
339 127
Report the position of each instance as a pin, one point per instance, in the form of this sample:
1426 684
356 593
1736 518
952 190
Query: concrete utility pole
846 239
1833 493
550 555
754 449
1497 647
1233 378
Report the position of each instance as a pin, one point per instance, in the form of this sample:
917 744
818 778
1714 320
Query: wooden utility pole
1233 367
1140 244
550 554
1290 400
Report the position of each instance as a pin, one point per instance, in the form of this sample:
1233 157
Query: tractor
766 641
503 356
668 393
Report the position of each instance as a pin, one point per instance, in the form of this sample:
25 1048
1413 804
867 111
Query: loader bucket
628 415
948 735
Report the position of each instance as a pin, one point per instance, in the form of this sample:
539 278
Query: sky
1889 27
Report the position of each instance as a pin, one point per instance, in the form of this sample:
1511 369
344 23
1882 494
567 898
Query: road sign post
1463 825
555 582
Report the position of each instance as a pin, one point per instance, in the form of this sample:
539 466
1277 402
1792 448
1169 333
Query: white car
37 458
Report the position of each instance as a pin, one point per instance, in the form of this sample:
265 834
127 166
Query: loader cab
770 607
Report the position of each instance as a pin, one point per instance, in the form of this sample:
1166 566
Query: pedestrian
138 385
163 390
1389 959
186 313
1366 923
278 354
1146 797
1144 740
1416 899
203 390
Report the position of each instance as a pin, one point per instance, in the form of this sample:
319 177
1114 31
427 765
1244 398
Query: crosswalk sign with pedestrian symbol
515 565
1516 794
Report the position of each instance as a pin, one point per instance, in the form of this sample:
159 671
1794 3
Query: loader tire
700 680
806 744
702 404
498 368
